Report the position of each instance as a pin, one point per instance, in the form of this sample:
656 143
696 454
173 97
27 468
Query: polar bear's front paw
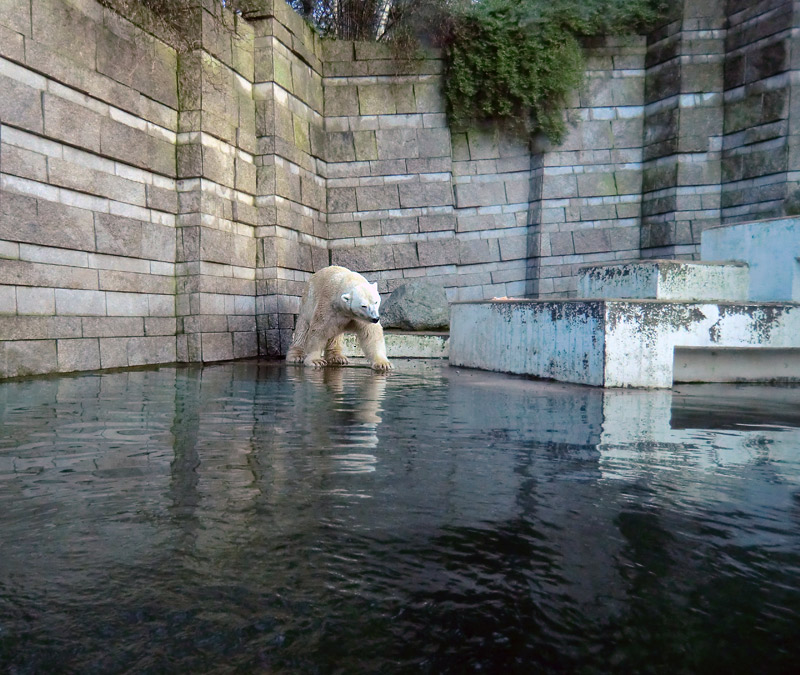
382 364
315 363
337 360
294 357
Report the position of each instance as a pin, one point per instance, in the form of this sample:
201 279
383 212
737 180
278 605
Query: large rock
417 305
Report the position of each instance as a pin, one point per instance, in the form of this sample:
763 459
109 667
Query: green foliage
518 60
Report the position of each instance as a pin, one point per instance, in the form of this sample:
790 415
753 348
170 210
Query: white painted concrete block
770 247
665 280
619 343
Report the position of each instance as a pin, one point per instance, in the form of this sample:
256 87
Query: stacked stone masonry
166 201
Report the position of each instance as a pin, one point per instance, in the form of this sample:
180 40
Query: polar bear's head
363 301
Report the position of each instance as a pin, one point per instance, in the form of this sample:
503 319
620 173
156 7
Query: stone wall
89 201
163 202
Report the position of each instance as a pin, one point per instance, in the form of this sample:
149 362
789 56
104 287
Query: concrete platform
665 280
626 343
400 344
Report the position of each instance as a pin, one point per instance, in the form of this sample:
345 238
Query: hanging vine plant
518 60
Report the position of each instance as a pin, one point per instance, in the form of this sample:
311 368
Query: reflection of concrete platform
404 345
627 343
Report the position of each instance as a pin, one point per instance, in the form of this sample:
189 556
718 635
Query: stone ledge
402 345
674 280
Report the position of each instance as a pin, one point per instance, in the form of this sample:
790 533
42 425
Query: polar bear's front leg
315 349
370 337
334 351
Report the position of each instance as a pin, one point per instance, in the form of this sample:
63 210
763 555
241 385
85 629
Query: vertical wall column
292 227
683 130
586 194
761 155
216 256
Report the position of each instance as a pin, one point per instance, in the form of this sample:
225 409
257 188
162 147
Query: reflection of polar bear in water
350 410
338 301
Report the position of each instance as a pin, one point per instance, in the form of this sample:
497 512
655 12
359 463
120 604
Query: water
262 518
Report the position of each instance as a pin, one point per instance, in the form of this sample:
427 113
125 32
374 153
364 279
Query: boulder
416 305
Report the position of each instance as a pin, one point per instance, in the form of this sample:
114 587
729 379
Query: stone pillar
761 157
292 226
683 130
216 253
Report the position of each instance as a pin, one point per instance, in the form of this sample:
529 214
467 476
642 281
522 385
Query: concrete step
770 247
675 280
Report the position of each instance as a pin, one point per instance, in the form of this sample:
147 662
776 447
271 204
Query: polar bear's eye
364 306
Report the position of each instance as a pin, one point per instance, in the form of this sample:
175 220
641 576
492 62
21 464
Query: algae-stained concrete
616 343
665 280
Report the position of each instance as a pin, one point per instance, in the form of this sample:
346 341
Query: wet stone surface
256 517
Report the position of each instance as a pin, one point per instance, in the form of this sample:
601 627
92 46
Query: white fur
337 301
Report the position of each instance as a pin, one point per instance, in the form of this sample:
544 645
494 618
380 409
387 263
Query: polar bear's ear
345 297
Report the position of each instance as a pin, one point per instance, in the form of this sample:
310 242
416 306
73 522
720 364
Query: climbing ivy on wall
519 60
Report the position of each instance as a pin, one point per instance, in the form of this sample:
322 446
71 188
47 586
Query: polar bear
336 301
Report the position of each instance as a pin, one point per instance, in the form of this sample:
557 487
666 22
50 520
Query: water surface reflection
257 517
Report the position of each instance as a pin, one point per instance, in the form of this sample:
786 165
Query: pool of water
258 517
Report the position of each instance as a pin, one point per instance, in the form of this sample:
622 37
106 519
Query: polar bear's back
336 278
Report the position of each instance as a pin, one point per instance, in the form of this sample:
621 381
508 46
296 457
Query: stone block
366 147
374 198
117 235
64 28
397 143
518 190
73 123
513 248
438 193
376 99
28 357
115 326
405 255
479 194
21 103
364 258
24 163
596 184
126 304
561 243
483 143
434 142
562 186
429 97
436 223
71 302
340 147
591 241
438 252
473 251
75 355
8 300
35 301
342 200
312 193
